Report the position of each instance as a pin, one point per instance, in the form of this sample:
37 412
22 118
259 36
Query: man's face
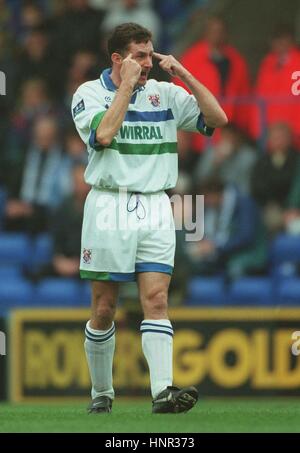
142 53
279 138
45 133
282 45
215 32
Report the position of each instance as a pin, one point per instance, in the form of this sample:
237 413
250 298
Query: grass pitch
208 416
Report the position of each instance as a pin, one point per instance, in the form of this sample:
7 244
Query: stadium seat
285 248
58 292
10 271
206 291
42 250
15 292
252 291
288 291
15 248
85 294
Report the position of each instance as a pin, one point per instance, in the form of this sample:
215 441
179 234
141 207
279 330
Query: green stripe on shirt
144 148
97 120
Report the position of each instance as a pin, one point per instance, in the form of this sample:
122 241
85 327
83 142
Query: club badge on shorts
87 256
154 99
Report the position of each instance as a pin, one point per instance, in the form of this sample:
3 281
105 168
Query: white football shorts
124 233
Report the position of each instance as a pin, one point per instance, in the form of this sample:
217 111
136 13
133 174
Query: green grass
227 415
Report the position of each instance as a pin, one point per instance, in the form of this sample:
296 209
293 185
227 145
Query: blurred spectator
133 11
3 196
66 227
74 153
232 159
75 149
231 232
66 230
38 188
36 61
84 66
181 202
31 16
276 178
4 125
99 4
291 221
5 20
78 27
34 102
221 68
6 67
5 13
177 17
274 83
7 60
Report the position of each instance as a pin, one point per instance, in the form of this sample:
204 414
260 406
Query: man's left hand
169 64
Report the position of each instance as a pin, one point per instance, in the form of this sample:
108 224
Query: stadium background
234 316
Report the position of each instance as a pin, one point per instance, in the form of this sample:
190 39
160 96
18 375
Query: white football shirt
143 155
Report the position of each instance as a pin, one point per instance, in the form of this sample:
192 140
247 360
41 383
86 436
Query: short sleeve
87 113
187 112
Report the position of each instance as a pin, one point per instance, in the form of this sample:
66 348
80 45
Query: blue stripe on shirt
155 117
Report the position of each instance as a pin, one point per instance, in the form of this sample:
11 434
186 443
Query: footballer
129 123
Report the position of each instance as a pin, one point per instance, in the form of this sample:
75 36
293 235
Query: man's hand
169 64
206 247
202 249
214 116
130 73
66 267
17 208
130 70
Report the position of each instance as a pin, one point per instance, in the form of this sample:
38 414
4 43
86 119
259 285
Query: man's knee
155 303
103 309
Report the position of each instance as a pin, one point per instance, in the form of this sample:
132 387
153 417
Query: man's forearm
213 113
114 117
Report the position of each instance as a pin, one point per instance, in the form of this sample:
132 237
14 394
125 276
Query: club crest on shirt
87 256
154 99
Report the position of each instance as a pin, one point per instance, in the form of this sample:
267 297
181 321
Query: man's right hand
130 73
130 70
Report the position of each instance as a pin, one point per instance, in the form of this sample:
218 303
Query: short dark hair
126 33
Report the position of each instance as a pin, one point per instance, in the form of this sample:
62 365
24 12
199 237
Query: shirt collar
106 80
